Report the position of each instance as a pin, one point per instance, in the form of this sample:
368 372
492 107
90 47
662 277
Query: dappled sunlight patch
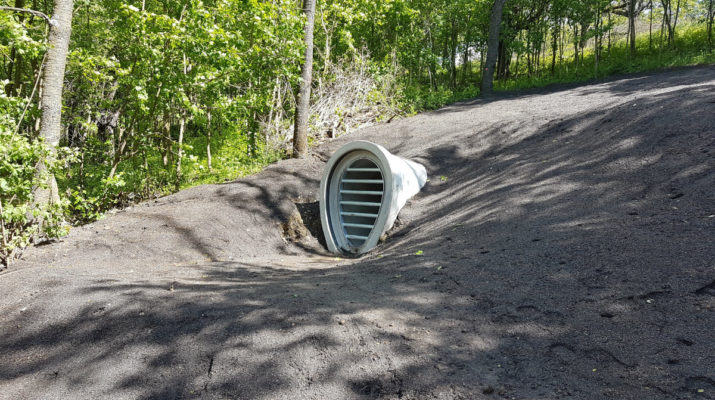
423 299
550 189
633 163
692 171
481 342
532 329
531 264
629 143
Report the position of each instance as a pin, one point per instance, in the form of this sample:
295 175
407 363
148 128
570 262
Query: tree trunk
5 261
453 55
492 47
562 29
466 63
662 24
528 55
53 80
632 26
17 60
610 29
432 62
711 15
667 19
575 45
166 140
302 108
180 152
119 140
596 44
650 27
503 60
675 23
208 141
554 45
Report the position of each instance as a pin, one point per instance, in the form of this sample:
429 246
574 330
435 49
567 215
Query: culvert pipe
363 189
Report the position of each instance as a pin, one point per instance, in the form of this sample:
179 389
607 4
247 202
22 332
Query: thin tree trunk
492 47
596 43
17 59
302 109
554 45
632 26
466 63
610 29
166 140
180 153
667 19
562 29
119 140
675 23
208 140
575 45
582 40
711 15
431 64
662 23
628 37
650 27
53 81
519 55
119 151
3 237
453 55
328 35
503 60
529 55
252 142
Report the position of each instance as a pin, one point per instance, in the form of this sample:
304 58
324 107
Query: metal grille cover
362 190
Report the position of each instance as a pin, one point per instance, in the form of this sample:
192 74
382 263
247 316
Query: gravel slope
567 250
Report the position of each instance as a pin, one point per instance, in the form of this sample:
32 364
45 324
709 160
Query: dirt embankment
565 247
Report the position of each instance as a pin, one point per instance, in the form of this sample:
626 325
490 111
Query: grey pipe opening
362 190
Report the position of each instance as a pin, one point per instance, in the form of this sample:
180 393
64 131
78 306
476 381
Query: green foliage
18 177
133 85
418 98
688 50
187 92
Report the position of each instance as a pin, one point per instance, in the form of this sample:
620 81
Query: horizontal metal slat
368 192
361 203
364 169
357 214
362 181
356 237
351 225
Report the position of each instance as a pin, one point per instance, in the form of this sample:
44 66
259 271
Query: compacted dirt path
563 248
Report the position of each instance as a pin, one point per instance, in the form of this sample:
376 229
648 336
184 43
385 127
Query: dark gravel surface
567 250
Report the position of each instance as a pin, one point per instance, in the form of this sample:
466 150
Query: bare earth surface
567 250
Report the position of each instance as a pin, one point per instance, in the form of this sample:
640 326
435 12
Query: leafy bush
20 218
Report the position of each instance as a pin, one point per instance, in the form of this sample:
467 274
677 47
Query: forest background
163 95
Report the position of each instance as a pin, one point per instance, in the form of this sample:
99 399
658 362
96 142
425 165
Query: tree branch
33 12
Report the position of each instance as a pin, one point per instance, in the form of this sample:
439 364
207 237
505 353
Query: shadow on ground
573 261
